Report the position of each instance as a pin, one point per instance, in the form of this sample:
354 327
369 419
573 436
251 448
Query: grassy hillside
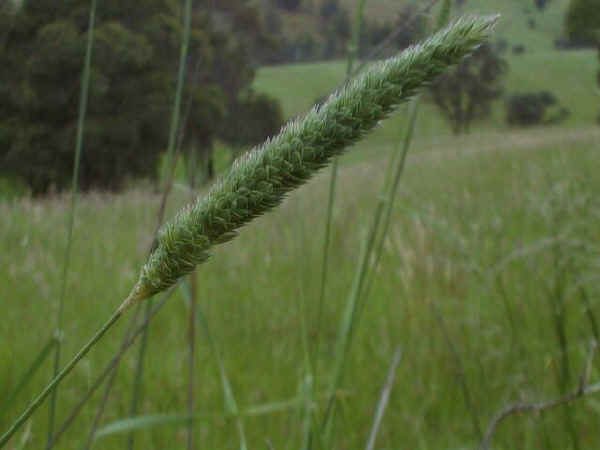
571 76
474 240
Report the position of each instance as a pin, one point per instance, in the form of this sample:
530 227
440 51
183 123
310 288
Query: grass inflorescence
259 180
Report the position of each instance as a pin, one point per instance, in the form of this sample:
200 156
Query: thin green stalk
589 312
160 217
139 373
557 302
170 150
192 326
350 319
326 244
109 384
353 306
28 374
376 51
384 399
231 406
353 50
185 44
460 372
83 98
59 377
108 370
393 188
442 21
133 321
174 419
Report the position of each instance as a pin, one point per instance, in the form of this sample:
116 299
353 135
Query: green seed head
259 180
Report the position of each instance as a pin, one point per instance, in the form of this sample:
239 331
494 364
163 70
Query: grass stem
83 98
37 402
173 133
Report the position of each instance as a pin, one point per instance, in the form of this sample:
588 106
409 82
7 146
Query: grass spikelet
259 180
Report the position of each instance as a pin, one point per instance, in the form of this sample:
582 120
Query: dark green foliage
134 65
466 93
534 108
582 22
255 117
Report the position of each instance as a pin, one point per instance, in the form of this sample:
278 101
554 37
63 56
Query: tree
240 42
582 22
466 93
534 108
134 65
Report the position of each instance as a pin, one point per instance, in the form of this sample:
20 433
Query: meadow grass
462 213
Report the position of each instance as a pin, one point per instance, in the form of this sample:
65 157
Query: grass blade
109 384
29 373
56 380
460 372
153 420
173 131
83 98
384 399
231 406
133 424
109 369
354 49
353 305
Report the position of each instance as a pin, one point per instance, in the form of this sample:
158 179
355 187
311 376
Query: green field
299 85
470 239
487 283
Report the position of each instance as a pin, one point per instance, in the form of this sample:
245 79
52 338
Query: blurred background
485 281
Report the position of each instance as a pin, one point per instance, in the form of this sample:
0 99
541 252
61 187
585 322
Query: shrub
518 49
534 108
582 22
256 117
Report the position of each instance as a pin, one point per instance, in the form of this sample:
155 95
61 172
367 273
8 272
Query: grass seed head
259 180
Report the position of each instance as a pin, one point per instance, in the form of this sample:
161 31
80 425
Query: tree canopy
132 84
583 22
465 93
